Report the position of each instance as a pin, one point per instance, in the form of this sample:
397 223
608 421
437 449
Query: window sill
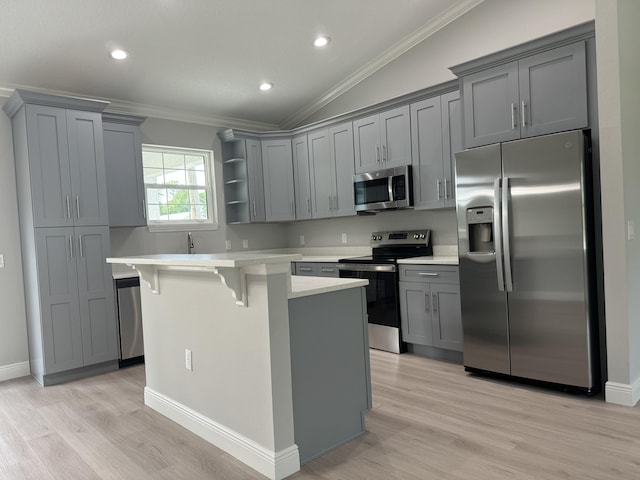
181 227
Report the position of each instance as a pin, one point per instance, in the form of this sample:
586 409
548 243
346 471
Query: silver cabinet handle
434 302
384 153
446 190
80 245
330 202
144 209
306 269
513 116
254 209
78 206
428 274
524 118
377 154
71 245
327 269
335 202
508 280
497 238
68 208
427 305
438 187
309 204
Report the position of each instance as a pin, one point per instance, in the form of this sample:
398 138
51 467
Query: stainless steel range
381 269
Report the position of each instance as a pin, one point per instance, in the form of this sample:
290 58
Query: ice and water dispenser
480 228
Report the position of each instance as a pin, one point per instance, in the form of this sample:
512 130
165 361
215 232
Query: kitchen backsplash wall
329 232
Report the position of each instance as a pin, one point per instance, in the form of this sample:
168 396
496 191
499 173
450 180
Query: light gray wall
491 26
137 241
619 105
13 325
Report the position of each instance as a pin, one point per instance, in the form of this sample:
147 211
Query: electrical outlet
344 238
187 359
301 239
245 243
1 260
227 244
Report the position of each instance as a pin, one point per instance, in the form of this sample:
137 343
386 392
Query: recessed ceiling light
266 86
321 41
118 54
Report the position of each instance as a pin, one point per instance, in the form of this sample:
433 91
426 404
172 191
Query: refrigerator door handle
497 228
505 235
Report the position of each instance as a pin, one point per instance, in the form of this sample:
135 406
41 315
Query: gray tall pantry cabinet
62 201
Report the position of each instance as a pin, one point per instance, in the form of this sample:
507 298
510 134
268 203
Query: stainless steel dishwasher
130 321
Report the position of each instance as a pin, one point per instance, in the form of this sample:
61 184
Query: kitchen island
271 368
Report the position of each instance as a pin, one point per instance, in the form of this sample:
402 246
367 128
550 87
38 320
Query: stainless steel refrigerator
526 262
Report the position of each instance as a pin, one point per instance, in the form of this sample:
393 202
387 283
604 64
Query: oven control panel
409 237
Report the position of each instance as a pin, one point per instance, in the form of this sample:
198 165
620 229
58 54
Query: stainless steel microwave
381 190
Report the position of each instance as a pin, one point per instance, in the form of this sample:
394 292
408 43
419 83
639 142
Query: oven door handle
363 267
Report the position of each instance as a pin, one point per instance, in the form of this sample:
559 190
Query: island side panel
233 366
329 370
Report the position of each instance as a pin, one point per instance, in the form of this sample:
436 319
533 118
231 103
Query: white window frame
185 225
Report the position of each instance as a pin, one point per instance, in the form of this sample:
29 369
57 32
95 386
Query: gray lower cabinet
62 202
277 163
435 137
535 95
124 173
316 269
382 140
76 297
430 306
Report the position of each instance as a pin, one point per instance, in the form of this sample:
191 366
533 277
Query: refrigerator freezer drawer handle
508 280
497 228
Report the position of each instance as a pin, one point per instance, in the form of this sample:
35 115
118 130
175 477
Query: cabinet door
366 143
277 164
56 252
553 91
395 137
490 101
125 182
447 319
451 142
86 160
426 137
255 180
342 162
48 152
95 292
415 313
301 177
321 174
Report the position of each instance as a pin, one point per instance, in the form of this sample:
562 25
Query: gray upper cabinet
436 135
242 175
538 94
382 140
301 177
66 159
277 162
124 174
322 175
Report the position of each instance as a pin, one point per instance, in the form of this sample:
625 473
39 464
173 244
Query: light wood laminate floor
430 420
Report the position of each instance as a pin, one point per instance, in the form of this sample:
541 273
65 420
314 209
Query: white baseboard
16 370
275 465
622 393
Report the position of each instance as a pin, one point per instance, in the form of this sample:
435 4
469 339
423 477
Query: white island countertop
207 260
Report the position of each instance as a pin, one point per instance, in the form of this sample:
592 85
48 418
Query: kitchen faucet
190 245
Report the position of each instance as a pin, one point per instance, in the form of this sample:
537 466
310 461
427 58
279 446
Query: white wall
619 104
13 325
491 26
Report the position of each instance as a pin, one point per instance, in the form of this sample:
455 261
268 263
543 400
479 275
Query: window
179 188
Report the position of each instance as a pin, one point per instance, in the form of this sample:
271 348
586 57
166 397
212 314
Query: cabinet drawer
306 268
429 273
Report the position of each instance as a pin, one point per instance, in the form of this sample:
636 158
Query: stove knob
416 236
422 236
373 237
379 237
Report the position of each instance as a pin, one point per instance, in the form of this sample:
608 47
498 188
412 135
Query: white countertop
433 260
232 259
304 286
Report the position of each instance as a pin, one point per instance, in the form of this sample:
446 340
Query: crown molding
455 11
122 107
